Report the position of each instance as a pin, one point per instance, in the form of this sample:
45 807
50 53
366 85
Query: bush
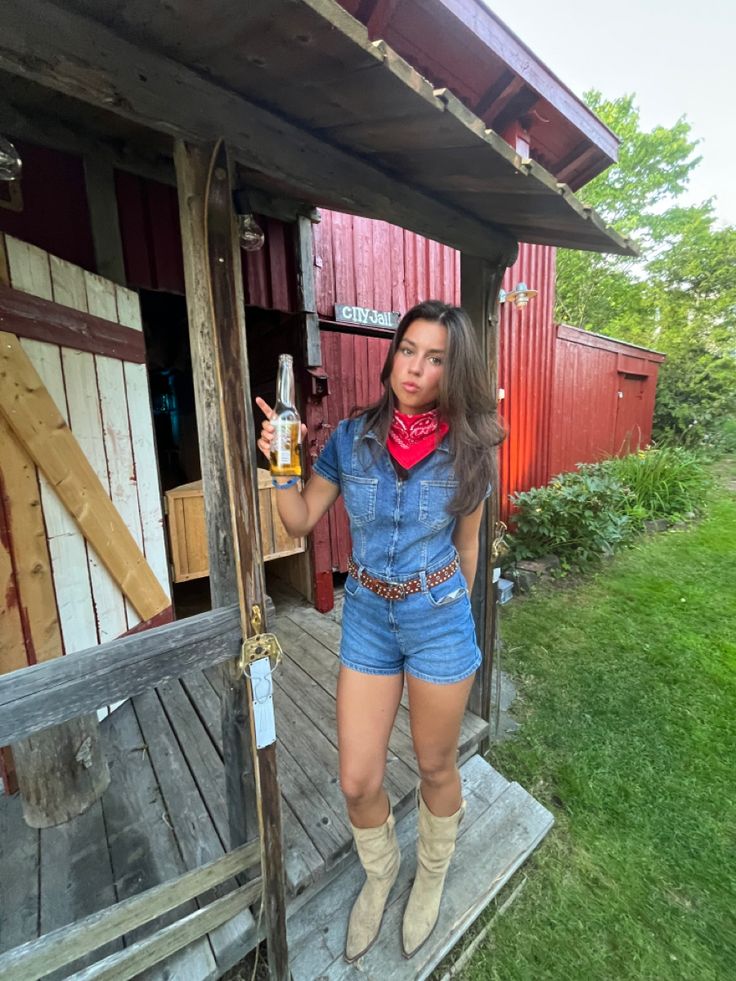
583 515
667 481
577 517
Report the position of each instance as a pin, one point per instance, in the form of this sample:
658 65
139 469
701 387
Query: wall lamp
11 165
250 232
520 295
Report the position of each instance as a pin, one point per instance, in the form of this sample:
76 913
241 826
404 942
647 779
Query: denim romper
400 530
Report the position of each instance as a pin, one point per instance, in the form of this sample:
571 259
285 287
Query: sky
678 57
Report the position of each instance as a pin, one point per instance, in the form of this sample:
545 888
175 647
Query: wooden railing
35 698
44 695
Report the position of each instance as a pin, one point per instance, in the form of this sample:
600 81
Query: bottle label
282 443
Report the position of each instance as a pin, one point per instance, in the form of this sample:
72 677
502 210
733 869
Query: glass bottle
285 459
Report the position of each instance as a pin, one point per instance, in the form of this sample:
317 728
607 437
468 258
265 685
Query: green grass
628 708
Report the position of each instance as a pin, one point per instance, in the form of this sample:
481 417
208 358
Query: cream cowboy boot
436 844
378 850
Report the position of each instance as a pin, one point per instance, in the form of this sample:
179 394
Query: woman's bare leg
436 714
366 710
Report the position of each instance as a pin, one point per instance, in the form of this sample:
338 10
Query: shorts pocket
448 593
351 586
360 498
434 496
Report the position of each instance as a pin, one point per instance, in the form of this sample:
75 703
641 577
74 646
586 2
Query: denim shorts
429 635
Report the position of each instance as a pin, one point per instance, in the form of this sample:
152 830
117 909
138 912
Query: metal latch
259 645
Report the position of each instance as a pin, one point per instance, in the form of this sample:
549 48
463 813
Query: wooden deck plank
320 707
19 875
195 833
500 814
201 754
315 755
322 665
143 846
76 877
302 861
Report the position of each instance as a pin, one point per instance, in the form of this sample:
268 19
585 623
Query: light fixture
250 232
520 295
11 165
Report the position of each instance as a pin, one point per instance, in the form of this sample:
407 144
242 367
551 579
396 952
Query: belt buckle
402 590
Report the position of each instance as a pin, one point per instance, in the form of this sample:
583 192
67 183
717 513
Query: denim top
399 527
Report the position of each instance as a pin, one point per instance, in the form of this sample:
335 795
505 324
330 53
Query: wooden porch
165 813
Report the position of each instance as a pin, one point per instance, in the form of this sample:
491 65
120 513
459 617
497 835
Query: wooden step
502 827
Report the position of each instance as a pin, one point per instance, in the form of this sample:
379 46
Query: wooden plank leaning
40 428
231 365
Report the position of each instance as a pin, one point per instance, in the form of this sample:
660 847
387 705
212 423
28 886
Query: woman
414 469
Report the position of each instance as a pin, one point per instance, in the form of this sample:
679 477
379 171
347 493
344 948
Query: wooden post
236 413
99 179
480 282
306 295
192 163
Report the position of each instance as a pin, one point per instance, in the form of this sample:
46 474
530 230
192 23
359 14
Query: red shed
602 398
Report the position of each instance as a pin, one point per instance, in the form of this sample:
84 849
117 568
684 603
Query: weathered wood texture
502 826
53 692
150 89
236 412
41 320
306 292
105 402
480 282
192 167
61 772
99 179
164 813
61 947
38 425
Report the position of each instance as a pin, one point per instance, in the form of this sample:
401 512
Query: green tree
679 296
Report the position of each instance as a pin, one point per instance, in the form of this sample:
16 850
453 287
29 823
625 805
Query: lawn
627 687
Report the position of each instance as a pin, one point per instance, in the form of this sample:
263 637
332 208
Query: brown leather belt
399 590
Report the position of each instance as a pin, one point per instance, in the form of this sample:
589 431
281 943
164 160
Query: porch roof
311 109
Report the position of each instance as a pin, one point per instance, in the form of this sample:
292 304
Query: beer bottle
285 459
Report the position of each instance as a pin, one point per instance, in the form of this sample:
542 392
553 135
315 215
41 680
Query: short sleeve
327 463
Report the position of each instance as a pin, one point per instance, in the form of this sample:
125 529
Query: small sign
263 714
363 317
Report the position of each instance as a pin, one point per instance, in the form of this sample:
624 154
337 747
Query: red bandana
412 438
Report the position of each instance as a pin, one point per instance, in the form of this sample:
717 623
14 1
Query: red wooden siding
374 264
149 226
589 419
54 213
525 371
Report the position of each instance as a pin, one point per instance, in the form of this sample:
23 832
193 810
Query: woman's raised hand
267 430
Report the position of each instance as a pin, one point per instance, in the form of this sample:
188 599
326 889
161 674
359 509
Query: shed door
60 596
629 414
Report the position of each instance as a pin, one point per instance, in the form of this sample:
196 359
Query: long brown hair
465 402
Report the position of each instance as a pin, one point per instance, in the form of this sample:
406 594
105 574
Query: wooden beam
84 59
480 282
34 698
99 179
42 432
192 164
32 316
236 415
306 293
62 947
